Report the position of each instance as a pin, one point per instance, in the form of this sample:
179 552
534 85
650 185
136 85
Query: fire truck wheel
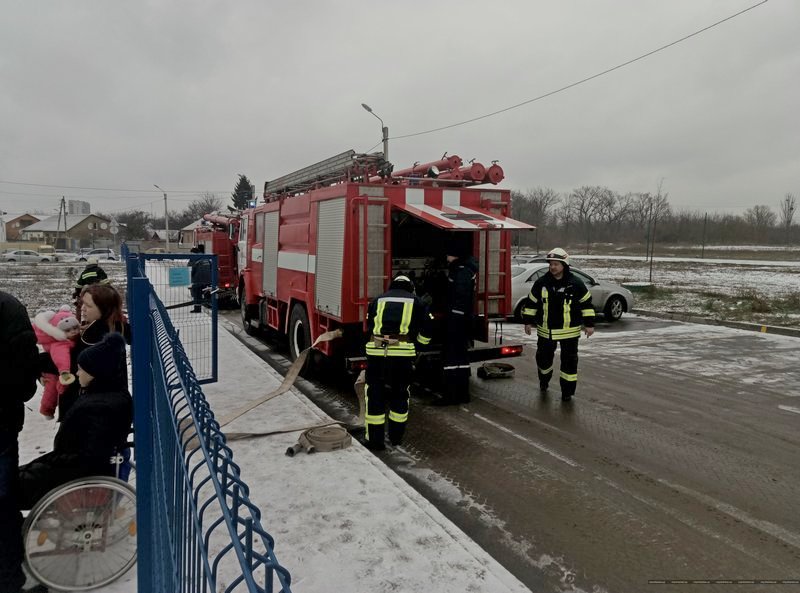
299 331
246 324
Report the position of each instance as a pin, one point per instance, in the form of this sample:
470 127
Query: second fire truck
219 234
329 238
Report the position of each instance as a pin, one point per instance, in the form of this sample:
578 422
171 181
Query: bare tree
613 208
786 210
205 204
760 219
535 206
659 208
584 205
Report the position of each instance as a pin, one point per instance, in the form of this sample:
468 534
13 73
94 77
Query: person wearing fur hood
56 333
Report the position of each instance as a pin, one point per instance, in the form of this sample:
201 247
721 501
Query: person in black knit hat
92 431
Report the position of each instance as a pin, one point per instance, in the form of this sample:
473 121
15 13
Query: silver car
27 256
99 253
612 300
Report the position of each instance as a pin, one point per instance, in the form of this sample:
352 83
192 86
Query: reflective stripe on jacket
396 320
559 308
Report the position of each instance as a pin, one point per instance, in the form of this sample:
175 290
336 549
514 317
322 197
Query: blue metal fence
170 277
197 529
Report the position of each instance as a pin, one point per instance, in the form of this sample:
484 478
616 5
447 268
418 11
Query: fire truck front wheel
299 331
247 324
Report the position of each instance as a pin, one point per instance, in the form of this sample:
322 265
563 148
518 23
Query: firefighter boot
374 438
567 389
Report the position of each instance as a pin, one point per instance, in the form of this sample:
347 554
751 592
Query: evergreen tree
242 194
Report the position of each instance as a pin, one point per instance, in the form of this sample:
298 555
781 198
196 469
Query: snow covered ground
342 521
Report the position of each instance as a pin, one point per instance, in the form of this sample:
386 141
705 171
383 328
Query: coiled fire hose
330 436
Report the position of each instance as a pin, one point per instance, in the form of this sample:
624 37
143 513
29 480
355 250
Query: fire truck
328 239
219 235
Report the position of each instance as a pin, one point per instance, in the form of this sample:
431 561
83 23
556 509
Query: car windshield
517 270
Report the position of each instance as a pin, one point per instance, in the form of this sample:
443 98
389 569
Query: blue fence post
214 318
143 392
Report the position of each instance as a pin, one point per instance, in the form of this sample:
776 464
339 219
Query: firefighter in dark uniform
462 269
396 319
201 279
558 304
92 274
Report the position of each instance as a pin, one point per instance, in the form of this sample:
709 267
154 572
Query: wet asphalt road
678 459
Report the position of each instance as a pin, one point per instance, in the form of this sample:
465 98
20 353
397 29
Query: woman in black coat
92 431
100 313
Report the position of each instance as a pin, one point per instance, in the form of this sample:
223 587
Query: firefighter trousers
545 353
387 382
455 360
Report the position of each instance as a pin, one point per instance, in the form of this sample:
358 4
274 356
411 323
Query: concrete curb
756 327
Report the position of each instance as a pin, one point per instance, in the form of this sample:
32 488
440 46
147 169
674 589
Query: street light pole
384 131
166 217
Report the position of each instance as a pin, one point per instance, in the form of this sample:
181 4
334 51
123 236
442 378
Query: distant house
81 229
187 232
161 234
12 225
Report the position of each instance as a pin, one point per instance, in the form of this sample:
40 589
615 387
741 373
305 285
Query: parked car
64 255
609 299
28 256
100 253
527 259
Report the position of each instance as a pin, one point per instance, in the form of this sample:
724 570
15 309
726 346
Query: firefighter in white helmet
396 320
558 305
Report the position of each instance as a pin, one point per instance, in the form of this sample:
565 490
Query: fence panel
197 529
170 276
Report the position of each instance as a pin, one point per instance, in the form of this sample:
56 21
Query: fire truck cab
329 238
219 235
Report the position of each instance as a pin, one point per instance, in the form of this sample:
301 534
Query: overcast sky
186 95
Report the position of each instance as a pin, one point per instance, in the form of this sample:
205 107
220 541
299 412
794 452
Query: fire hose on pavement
330 436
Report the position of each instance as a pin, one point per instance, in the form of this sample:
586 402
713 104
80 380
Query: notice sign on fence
179 277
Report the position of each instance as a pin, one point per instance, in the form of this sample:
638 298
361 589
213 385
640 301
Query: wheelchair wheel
82 535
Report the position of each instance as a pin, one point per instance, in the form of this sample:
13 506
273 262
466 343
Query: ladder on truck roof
342 167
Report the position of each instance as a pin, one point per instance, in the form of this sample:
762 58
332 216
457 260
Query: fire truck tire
246 323
299 331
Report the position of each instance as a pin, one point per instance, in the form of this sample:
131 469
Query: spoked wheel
614 309
82 535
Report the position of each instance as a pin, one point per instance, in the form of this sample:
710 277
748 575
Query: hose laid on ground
288 380
330 436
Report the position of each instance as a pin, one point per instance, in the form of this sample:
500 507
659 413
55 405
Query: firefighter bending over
395 320
558 304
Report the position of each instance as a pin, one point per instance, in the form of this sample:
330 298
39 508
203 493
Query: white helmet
558 254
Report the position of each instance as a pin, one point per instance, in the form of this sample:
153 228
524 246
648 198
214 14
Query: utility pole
166 217
703 249
384 131
62 211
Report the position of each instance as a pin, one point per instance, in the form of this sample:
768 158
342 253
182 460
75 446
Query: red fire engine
220 235
330 237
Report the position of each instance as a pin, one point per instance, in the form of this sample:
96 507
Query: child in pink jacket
56 332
